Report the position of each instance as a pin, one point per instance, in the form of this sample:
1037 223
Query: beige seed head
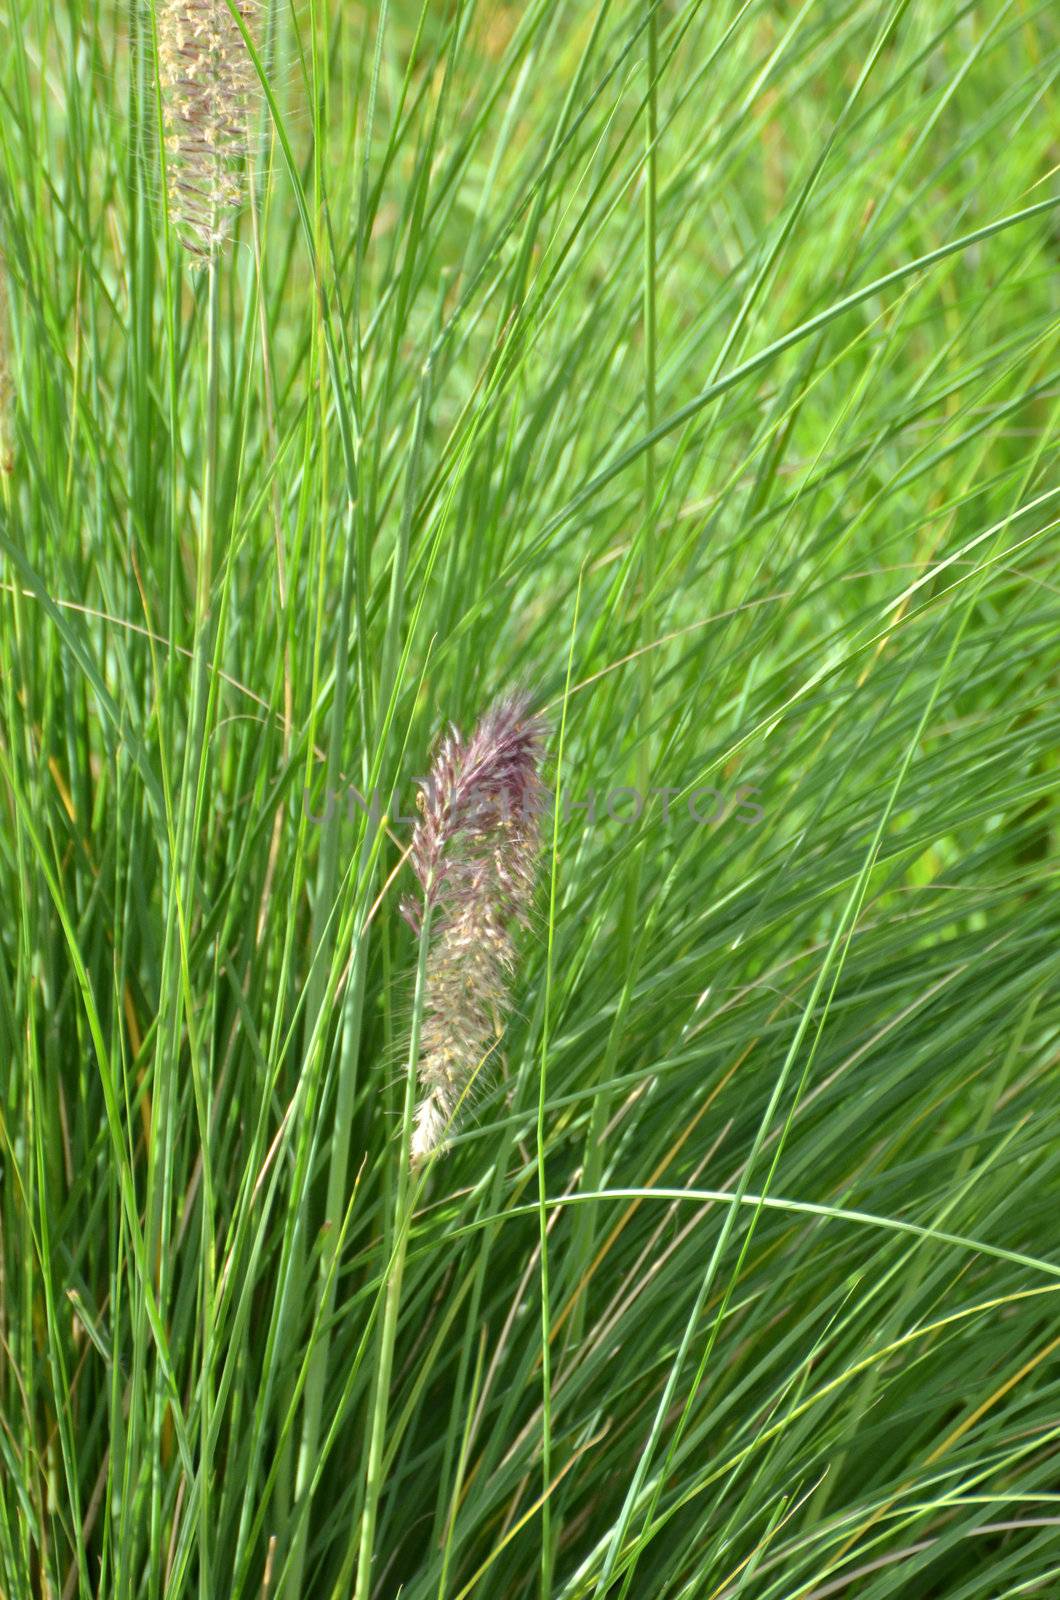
210 89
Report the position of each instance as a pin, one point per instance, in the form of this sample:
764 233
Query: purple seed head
474 851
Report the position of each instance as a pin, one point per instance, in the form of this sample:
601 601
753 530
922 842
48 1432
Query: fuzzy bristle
474 852
209 87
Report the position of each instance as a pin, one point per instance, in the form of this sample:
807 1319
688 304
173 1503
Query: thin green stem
201 1065
542 1098
404 1190
642 609
336 1199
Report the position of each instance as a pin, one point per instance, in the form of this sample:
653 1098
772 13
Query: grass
697 366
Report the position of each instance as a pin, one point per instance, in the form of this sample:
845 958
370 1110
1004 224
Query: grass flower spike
209 85
474 852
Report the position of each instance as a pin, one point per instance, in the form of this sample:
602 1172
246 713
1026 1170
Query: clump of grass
474 852
722 368
209 85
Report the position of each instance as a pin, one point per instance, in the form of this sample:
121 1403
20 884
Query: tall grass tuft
698 365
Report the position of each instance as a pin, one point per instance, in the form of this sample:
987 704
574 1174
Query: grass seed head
209 90
474 851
